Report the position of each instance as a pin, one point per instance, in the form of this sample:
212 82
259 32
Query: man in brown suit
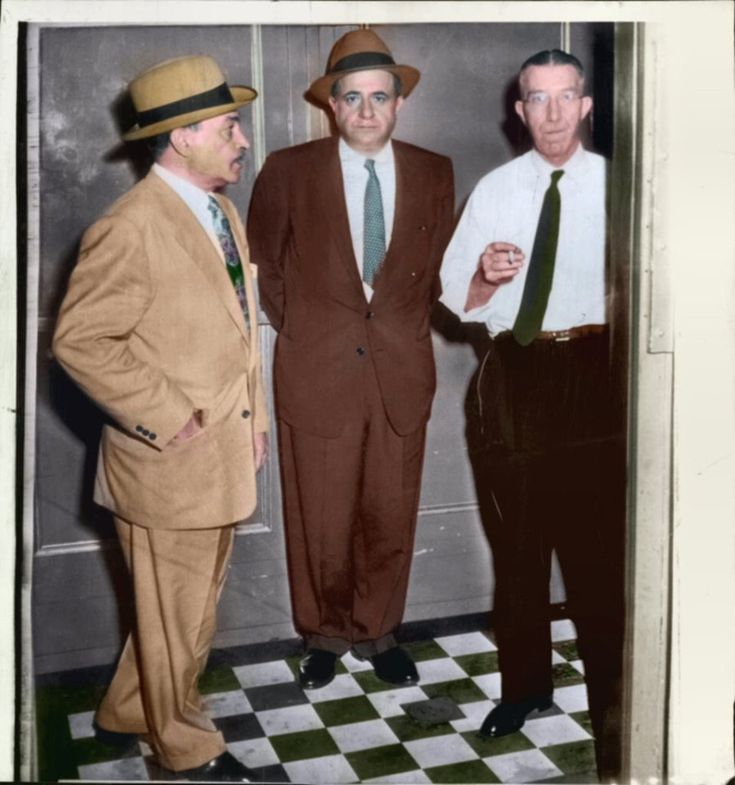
158 327
348 234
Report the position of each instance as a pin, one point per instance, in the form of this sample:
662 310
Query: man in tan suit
159 328
348 234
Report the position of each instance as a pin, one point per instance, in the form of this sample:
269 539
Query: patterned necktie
373 234
541 267
223 230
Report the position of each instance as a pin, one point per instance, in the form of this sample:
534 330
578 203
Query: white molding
650 405
8 379
93 546
258 83
27 708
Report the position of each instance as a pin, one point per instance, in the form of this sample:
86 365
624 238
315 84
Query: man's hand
498 265
260 449
193 425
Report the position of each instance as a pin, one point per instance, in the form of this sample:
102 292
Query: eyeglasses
540 100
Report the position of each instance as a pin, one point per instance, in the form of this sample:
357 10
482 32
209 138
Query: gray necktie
373 235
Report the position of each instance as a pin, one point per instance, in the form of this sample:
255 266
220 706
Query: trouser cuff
340 646
371 648
193 758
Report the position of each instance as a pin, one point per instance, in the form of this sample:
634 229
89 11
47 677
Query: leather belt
563 335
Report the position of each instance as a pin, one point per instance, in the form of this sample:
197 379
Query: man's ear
586 105
519 107
180 141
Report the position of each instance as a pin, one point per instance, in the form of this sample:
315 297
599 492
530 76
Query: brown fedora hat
179 92
361 50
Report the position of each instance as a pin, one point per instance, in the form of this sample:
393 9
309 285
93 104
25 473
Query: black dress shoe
507 718
316 668
112 738
223 768
395 667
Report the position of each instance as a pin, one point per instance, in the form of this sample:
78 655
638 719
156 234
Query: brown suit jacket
151 329
311 290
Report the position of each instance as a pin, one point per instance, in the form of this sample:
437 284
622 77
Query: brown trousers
177 578
350 507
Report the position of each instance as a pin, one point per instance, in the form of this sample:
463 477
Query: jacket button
245 413
144 431
139 428
369 314
361 350
152 436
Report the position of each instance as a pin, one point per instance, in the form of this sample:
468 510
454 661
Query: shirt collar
574 167
349 156
195 197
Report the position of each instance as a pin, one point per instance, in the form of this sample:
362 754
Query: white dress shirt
505 207
196 200
355 177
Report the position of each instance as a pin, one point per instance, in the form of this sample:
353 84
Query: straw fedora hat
361 50
179 92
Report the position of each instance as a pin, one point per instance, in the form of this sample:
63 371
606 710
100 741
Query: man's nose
553 111
240 139
366 108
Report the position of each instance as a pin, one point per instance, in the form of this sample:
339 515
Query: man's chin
553 149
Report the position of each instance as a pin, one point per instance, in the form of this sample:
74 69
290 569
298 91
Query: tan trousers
177 578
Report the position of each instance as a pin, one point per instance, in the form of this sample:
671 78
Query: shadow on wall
135 153
78 413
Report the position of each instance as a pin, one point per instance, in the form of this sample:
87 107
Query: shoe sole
315 685
401 683
540 706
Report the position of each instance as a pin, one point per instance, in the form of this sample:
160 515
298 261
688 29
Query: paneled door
76 78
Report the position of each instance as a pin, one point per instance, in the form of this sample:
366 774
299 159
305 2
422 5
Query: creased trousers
177 577
553 469
350 509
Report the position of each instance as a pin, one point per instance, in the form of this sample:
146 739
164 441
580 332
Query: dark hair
552 57
157 144
397 85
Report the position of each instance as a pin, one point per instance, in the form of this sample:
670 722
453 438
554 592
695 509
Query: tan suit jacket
152 330
311 290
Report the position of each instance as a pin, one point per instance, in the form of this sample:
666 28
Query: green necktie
223 230
541 267
373 233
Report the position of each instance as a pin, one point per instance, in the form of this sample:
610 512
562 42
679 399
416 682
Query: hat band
361 60
217 96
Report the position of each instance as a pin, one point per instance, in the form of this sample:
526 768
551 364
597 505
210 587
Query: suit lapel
242 248
408 216
188 233
327 172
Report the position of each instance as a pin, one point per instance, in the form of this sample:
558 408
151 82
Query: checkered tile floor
356 730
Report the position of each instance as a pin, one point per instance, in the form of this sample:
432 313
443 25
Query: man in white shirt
528 260
158 327
348 235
